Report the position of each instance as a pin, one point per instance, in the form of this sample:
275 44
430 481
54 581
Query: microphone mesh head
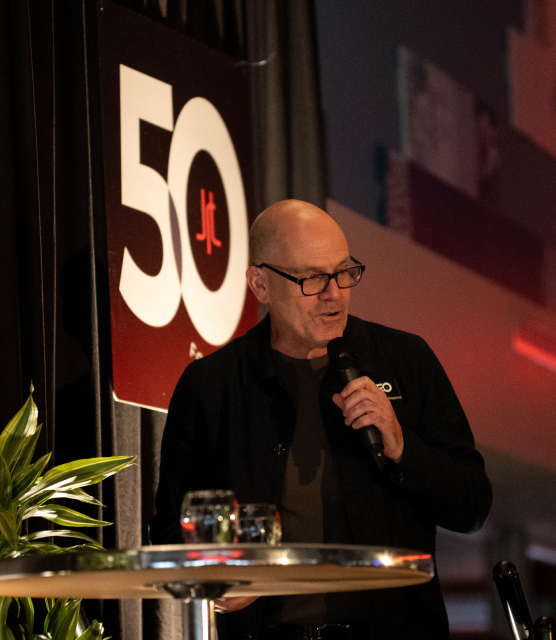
341 355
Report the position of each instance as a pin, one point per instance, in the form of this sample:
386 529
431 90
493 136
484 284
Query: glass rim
257 504
209 493
252 508
208 498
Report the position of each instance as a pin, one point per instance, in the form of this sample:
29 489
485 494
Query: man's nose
332 290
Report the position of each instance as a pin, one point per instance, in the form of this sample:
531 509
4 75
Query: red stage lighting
536 347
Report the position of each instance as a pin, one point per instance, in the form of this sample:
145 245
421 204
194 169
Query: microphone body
544 628
344 363
510 590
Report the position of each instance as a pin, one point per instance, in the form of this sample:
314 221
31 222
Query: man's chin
329 333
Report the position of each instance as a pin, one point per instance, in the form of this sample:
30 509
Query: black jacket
229 426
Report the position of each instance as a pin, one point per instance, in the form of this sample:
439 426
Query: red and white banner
178 179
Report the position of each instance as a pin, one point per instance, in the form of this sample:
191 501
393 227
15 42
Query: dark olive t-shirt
311 508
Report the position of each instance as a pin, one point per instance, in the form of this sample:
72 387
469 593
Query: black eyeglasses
313 285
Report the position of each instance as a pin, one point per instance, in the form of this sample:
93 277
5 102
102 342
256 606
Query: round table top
262 569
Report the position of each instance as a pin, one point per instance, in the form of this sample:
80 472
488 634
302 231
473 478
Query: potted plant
27 491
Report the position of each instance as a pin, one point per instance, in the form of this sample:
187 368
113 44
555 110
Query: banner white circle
215 314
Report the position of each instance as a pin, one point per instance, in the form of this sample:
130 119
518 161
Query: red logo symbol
207 215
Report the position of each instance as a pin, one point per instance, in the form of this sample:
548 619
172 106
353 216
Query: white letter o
199 126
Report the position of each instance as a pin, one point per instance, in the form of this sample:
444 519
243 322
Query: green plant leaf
67 629
54 610
35 501
61 533
29 609
5 549
4 606
8 527
26 451
26 477
7 634
79 473
25 494
38 549
5 483
20 431
81 547
77 494
93 632
61 620
65 516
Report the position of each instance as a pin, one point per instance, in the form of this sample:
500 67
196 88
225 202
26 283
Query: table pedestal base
197 618
197 606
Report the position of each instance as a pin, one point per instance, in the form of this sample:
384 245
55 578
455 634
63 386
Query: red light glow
223 556
534 351
414 558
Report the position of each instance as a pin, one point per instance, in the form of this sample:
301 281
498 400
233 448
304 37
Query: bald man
265 417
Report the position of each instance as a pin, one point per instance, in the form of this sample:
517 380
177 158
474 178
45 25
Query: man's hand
227 605
364 404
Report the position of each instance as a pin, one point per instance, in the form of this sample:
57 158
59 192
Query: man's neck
294 349
301 353
316 353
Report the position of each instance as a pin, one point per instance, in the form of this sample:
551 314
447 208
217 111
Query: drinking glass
208 516
258 523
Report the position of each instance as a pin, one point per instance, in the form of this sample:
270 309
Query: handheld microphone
344 364
544 628
506 577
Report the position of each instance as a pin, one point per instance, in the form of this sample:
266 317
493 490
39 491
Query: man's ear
258 283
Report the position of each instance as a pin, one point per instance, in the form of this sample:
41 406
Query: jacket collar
356 334
257 362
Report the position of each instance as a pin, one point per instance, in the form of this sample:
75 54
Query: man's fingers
227 605
358 383
364 404
339 401
359 409
364 393
366 420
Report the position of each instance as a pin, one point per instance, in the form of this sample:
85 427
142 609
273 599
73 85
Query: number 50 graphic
199 126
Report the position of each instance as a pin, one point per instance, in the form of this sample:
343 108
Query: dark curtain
54 303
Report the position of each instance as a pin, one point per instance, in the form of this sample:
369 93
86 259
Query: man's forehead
311 244
320 267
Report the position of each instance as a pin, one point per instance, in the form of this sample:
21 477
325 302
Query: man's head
301 240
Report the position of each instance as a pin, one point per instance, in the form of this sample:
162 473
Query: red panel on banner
178 179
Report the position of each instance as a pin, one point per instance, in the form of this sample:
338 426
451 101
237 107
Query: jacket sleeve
441 472
180 459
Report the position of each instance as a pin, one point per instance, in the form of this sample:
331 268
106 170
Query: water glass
208 516
258 523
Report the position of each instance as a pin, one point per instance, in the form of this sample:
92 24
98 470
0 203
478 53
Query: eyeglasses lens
345 279
349 277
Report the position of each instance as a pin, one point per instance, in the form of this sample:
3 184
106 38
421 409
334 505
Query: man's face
302 325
